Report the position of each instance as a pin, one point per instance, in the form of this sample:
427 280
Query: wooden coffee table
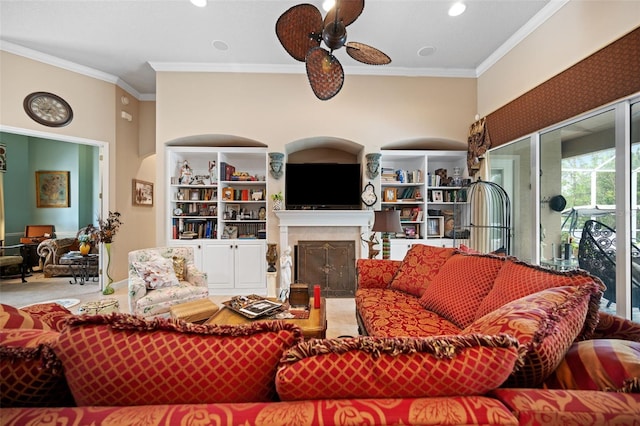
313 327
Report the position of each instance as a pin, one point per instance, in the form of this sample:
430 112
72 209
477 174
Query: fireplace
331 264
326 226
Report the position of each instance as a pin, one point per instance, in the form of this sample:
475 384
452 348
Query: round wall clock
48 109
369 196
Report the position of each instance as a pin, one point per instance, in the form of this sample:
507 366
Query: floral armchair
162 277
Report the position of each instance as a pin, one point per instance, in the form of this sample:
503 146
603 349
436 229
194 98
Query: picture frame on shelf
142 193
405 213
233 210
410 231
52 189
390 194
436 196
435 227
230 232
227 194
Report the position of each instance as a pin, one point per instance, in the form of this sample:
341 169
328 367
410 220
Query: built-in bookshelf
216 204
420 184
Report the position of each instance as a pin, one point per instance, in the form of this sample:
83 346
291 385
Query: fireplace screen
331 264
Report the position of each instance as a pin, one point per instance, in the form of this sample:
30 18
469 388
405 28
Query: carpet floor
340 311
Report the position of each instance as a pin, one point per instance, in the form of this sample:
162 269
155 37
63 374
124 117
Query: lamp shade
387 221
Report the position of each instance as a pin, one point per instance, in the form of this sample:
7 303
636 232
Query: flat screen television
330 186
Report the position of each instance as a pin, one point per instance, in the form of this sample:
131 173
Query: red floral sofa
122 369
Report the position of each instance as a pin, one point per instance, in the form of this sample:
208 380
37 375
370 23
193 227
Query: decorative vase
277 205
85 248
107 288
272 257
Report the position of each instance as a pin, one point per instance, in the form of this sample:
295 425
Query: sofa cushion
369 367
460 286
29 373
561 407
157 272
419 266
546 322
52 314
517 279
120 359
389 313
376 273
615 327
453 411
11 317
602 364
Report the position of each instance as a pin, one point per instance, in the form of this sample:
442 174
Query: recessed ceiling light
199 3
220 45
457 9
327 5
426 51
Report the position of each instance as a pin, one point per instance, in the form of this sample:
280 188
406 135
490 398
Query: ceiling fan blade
294 28
367 54
324 72
348 11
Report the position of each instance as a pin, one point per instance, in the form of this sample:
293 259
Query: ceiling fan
301 30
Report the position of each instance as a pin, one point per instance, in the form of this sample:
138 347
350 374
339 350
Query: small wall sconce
276 164
373 164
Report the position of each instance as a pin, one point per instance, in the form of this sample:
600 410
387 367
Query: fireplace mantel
362 218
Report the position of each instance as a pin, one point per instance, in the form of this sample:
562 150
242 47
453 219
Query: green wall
25 156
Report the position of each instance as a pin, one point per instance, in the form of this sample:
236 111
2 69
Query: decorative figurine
285 274
185 173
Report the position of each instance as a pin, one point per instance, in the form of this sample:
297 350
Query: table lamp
386 221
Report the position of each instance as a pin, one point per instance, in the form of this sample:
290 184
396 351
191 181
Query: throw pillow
30 375
121 359
403 367
179 267
52 314
546 323
601 364
419 266
518 279
157 272
11 317
460 286
376 273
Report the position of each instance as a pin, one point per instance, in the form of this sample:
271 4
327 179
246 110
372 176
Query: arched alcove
219 140
430 144
323 149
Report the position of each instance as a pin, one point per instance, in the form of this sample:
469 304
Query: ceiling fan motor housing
335 35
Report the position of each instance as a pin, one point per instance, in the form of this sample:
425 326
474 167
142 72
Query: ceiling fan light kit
301 30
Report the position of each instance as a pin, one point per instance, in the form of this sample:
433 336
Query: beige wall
96 106
577 30
275 110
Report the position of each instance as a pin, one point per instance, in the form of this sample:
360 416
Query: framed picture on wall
52 189
142 193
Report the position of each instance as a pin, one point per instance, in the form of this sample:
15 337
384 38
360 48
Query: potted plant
277 200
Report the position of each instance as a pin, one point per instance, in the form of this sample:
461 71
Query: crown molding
300 69
45 58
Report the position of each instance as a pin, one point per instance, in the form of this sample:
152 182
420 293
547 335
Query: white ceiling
127 41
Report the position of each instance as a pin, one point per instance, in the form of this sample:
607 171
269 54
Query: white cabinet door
235 264
250 265
400 247
218 262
